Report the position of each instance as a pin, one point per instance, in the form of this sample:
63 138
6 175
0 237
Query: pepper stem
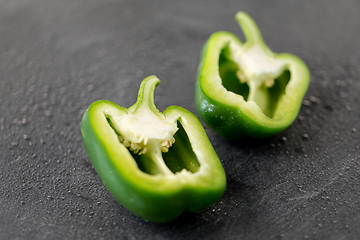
145 100
251 31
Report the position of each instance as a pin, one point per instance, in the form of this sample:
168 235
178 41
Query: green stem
145 98
251 31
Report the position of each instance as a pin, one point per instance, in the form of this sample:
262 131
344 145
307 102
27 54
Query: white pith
255 66
144 130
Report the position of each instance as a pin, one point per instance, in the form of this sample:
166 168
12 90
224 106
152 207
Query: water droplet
53 99
62 90
307 103
46 88
313 99
90 87
36 107
301 118
305 136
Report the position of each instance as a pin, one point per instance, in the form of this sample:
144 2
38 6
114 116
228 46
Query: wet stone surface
57 57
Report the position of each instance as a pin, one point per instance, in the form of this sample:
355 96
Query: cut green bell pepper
155 164
244 89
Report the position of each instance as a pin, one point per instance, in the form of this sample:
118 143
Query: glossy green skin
233 119
156 198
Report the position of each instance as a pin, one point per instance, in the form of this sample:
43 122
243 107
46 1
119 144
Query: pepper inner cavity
258 85
166 157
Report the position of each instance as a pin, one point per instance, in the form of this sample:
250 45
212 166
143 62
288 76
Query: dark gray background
57 57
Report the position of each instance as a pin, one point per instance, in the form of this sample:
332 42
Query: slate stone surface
57 57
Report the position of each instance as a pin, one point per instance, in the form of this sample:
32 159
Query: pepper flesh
244 89
157 165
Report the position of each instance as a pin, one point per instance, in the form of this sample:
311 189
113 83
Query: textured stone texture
57 57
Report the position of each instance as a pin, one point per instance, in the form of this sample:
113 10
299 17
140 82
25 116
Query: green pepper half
155 164
244 89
